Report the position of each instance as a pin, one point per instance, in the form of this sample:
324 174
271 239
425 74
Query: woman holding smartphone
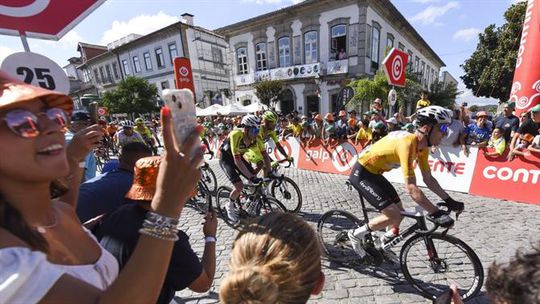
46 255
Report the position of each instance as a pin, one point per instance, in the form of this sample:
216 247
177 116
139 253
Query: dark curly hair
516 282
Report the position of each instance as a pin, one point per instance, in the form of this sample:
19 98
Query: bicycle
202 199
424 251
284 189
254 201
102 157
209 177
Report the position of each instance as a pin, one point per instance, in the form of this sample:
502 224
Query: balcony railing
285 73
337 67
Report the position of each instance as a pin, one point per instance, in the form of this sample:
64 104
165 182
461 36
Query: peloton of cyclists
401 148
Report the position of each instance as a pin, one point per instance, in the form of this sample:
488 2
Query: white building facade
317 45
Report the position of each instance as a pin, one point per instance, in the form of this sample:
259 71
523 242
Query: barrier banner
452 169
338 159
516 180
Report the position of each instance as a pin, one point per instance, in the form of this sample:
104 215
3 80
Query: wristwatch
210 239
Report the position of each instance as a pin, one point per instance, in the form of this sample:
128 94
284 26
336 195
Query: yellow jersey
399 148
237 144
422 103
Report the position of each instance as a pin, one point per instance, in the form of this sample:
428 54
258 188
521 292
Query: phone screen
93 110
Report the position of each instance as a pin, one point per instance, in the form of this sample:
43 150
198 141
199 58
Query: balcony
286 73
337 67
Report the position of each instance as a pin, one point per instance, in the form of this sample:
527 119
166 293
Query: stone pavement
493 228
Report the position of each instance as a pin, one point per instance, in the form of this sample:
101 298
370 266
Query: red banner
183 74
526 86
517 180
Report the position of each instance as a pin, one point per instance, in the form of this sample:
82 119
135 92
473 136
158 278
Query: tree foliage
489 71
133 95
268 90
443 95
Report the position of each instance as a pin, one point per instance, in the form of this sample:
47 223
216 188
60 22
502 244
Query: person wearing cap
329 129
393 124
530 126
377 106
364 134
316 129
81 120
375 118
46 254
342 125
127 135
423 101
104 193
507 122
478 133
409 127
118 232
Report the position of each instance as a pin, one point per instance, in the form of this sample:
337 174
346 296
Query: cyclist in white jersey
127 135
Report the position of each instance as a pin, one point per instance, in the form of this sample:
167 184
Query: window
173 52
416 65
165 85
389 40
338 42
159 58
87 76
96 76
410 63
260 55
125 66
102 74
136 64
109 74
310 47
401 46
147 61
284 46
375 38
241 56
217 57
422 72
115 70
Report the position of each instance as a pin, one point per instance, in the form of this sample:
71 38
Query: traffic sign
345 95
45 19
103 111
183 74
394 65
37 70
392 97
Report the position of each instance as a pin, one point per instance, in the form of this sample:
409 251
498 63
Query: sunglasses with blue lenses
443 128
26 124
254 131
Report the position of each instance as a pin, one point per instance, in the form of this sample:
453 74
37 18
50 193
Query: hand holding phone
183 110
93 110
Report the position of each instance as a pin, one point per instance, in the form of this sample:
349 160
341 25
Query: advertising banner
183 74
517 180
526 86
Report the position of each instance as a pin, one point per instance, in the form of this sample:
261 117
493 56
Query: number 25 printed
45 80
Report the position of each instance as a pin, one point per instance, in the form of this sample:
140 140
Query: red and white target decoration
394 65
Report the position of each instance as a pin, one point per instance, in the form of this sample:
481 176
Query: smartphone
183 111
93 110
444 298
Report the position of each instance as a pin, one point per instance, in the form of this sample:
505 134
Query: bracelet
159 226
210 239
82 164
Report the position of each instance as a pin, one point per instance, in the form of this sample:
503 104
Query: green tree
133 95
473 108
443 95
268 90
490 69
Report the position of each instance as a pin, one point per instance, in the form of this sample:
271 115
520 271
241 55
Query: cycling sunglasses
26 124
443 128
254 131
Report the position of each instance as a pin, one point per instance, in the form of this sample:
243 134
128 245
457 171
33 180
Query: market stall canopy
210 111
233 109
256 106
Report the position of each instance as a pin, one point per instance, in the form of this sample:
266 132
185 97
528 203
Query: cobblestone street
493 228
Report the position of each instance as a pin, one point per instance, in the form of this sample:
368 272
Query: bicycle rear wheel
222 199
431 263
209 177
332 232
288 193
269 205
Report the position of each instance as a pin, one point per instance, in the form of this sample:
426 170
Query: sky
450 27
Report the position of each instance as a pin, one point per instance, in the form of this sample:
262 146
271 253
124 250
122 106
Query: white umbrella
210 111
256 106
233 109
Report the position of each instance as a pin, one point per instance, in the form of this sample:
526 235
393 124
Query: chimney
188 18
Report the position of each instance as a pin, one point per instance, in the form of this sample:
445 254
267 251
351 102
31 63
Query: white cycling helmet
127 123
251 121
433 115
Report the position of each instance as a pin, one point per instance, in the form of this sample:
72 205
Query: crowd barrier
516 180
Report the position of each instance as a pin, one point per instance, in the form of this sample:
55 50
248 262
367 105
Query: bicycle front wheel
269 205
332 231
431 263
203 198
222 199
288 193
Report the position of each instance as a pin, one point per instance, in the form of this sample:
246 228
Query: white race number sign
37 70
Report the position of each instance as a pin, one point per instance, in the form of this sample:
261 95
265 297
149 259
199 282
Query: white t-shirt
26 276
454 130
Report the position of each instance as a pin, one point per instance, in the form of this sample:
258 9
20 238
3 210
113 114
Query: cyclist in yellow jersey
238 142
401 149
146 134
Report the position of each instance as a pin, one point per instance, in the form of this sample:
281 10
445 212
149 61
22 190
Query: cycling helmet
270 116
139 121
433 115
251 121
127 124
